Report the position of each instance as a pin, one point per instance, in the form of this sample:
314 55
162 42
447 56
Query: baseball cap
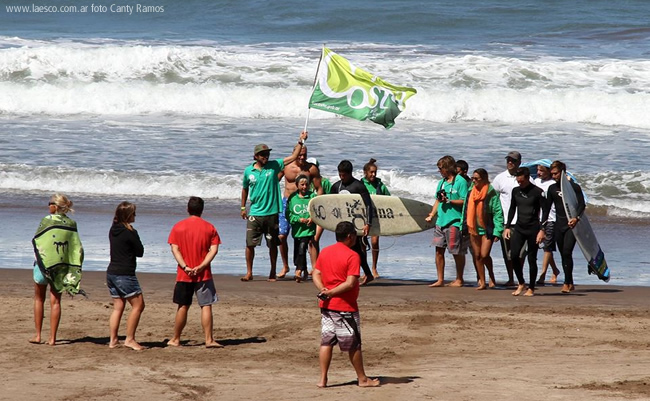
261 148
313 160
514 155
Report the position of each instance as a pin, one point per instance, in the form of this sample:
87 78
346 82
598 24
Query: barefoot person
450 198
121 281
59 255
544 181
375 187
290 173
194 243
302 228
504 183
261 182
336 276
526 201
564 237
350 185
483 219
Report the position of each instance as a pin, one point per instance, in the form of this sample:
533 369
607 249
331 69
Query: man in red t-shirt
336 276
194 243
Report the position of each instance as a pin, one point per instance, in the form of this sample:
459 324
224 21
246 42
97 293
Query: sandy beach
423 343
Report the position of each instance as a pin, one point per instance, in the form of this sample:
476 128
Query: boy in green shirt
302 228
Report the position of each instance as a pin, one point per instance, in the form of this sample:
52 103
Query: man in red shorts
336 276
194 243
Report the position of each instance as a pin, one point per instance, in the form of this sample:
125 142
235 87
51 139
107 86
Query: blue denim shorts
123 286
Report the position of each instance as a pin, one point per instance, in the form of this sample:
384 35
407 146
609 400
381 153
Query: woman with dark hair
375 187
120 275
483 218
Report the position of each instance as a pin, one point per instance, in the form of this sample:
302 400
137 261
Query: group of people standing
469 212
194 243
521 213
272 216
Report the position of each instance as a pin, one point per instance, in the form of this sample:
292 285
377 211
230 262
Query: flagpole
312 88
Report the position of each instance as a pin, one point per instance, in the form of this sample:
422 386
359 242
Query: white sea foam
622 195
109 182
134 78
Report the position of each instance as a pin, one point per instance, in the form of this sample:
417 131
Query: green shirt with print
297 208
264 188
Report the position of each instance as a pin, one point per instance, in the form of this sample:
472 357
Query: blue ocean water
159 100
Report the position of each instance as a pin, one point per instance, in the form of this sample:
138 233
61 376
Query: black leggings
566 241
517 242
360 248
300 250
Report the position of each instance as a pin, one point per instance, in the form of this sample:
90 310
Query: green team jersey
264 188
449 214
325 183
297 208
379 188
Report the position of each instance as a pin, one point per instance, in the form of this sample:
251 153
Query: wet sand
423 343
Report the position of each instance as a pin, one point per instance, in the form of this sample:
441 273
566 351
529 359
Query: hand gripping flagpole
313 87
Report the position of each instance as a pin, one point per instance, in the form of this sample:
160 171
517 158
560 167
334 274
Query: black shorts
205 292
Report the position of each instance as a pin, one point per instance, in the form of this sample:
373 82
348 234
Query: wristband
243 208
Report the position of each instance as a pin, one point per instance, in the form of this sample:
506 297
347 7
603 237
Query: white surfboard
393 215
583 232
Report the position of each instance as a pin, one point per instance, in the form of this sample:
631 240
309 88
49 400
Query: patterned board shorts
549 237
450 238
342 328
284 226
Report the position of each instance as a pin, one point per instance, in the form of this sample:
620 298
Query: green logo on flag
342 88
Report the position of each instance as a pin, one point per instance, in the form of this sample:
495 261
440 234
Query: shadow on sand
163 344
384 380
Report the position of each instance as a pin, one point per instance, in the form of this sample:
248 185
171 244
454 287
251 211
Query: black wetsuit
357 187
564 237
527 202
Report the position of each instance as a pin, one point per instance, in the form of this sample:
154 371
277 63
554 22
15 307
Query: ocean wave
265 81
610 193
623 194
111 182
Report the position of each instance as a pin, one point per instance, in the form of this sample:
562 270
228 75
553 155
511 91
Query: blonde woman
59 256
120 275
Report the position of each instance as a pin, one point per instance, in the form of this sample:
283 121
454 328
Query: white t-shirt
504 183
544 185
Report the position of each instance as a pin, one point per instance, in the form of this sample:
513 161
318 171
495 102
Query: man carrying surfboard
564 237
544 181
350 185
